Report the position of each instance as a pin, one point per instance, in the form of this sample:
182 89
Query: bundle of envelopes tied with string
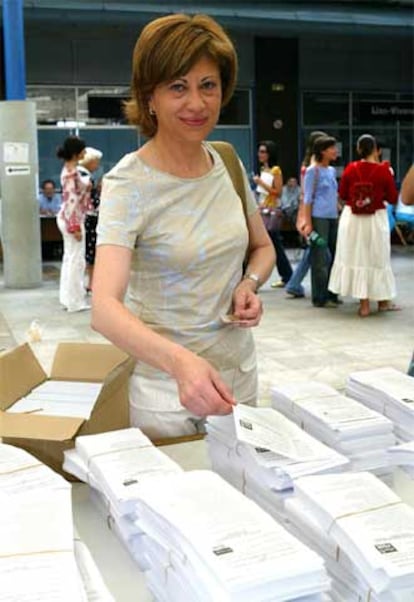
389 392
40 557
195 536
364 532
361 434
262 453
359 566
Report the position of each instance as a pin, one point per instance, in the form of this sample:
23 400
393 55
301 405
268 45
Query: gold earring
151 111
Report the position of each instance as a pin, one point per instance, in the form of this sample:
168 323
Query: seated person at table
405 214
49 199
290 200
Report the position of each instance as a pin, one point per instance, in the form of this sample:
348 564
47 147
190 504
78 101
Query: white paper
239 543
89 446
346 493
266 428
16 152
40 578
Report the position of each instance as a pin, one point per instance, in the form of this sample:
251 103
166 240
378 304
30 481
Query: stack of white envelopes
261 453
116 464
364 532
209 543
195 537
389 392
403 455
59 398
37 558
361 434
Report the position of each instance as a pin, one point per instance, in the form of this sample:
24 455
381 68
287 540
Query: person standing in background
362 266
49 200
71 223
321 218
294 288
269 186
86 167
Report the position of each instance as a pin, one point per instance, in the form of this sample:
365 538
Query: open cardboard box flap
47 437
31 426
91 362
19 373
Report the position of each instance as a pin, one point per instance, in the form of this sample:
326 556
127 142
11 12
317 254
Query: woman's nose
195 99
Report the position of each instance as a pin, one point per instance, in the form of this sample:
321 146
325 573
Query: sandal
389 307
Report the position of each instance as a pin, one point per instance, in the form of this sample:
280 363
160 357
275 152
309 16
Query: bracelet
254 277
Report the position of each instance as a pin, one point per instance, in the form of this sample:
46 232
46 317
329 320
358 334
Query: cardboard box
46 437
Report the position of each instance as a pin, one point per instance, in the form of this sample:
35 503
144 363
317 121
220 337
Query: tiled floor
294 342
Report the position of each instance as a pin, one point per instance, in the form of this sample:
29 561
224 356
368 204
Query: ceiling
347 16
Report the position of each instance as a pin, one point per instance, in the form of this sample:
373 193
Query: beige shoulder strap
231 161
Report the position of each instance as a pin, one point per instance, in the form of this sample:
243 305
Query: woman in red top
362 266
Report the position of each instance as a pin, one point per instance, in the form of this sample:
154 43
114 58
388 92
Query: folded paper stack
362 529
37 553
195 537
262 453
361 434
389 392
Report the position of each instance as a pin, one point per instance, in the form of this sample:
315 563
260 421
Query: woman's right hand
200 387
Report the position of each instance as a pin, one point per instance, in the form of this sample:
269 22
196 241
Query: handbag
271 218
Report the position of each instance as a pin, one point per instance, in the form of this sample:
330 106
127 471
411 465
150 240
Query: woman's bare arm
407 187
200 387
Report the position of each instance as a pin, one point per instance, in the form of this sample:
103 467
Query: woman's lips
195 122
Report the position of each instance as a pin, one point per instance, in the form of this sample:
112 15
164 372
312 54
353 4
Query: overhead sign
17 170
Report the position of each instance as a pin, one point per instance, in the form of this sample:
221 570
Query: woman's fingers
201 389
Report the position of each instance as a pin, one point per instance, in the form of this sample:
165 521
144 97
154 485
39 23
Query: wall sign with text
367 111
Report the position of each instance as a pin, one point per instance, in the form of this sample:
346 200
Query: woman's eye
209 85
177 87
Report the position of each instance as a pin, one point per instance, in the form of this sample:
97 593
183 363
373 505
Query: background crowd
354 260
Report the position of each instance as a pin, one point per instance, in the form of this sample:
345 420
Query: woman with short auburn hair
166 50
173 231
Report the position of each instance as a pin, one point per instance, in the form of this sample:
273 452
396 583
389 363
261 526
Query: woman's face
262 154
188 108
330 153
81 155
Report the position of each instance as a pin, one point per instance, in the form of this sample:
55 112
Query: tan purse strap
232 163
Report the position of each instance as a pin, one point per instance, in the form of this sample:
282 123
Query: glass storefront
347 115
95 114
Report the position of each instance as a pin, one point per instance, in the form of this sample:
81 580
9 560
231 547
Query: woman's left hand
247 305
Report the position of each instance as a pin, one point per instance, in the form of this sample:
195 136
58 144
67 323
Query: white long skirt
72 294
362 266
